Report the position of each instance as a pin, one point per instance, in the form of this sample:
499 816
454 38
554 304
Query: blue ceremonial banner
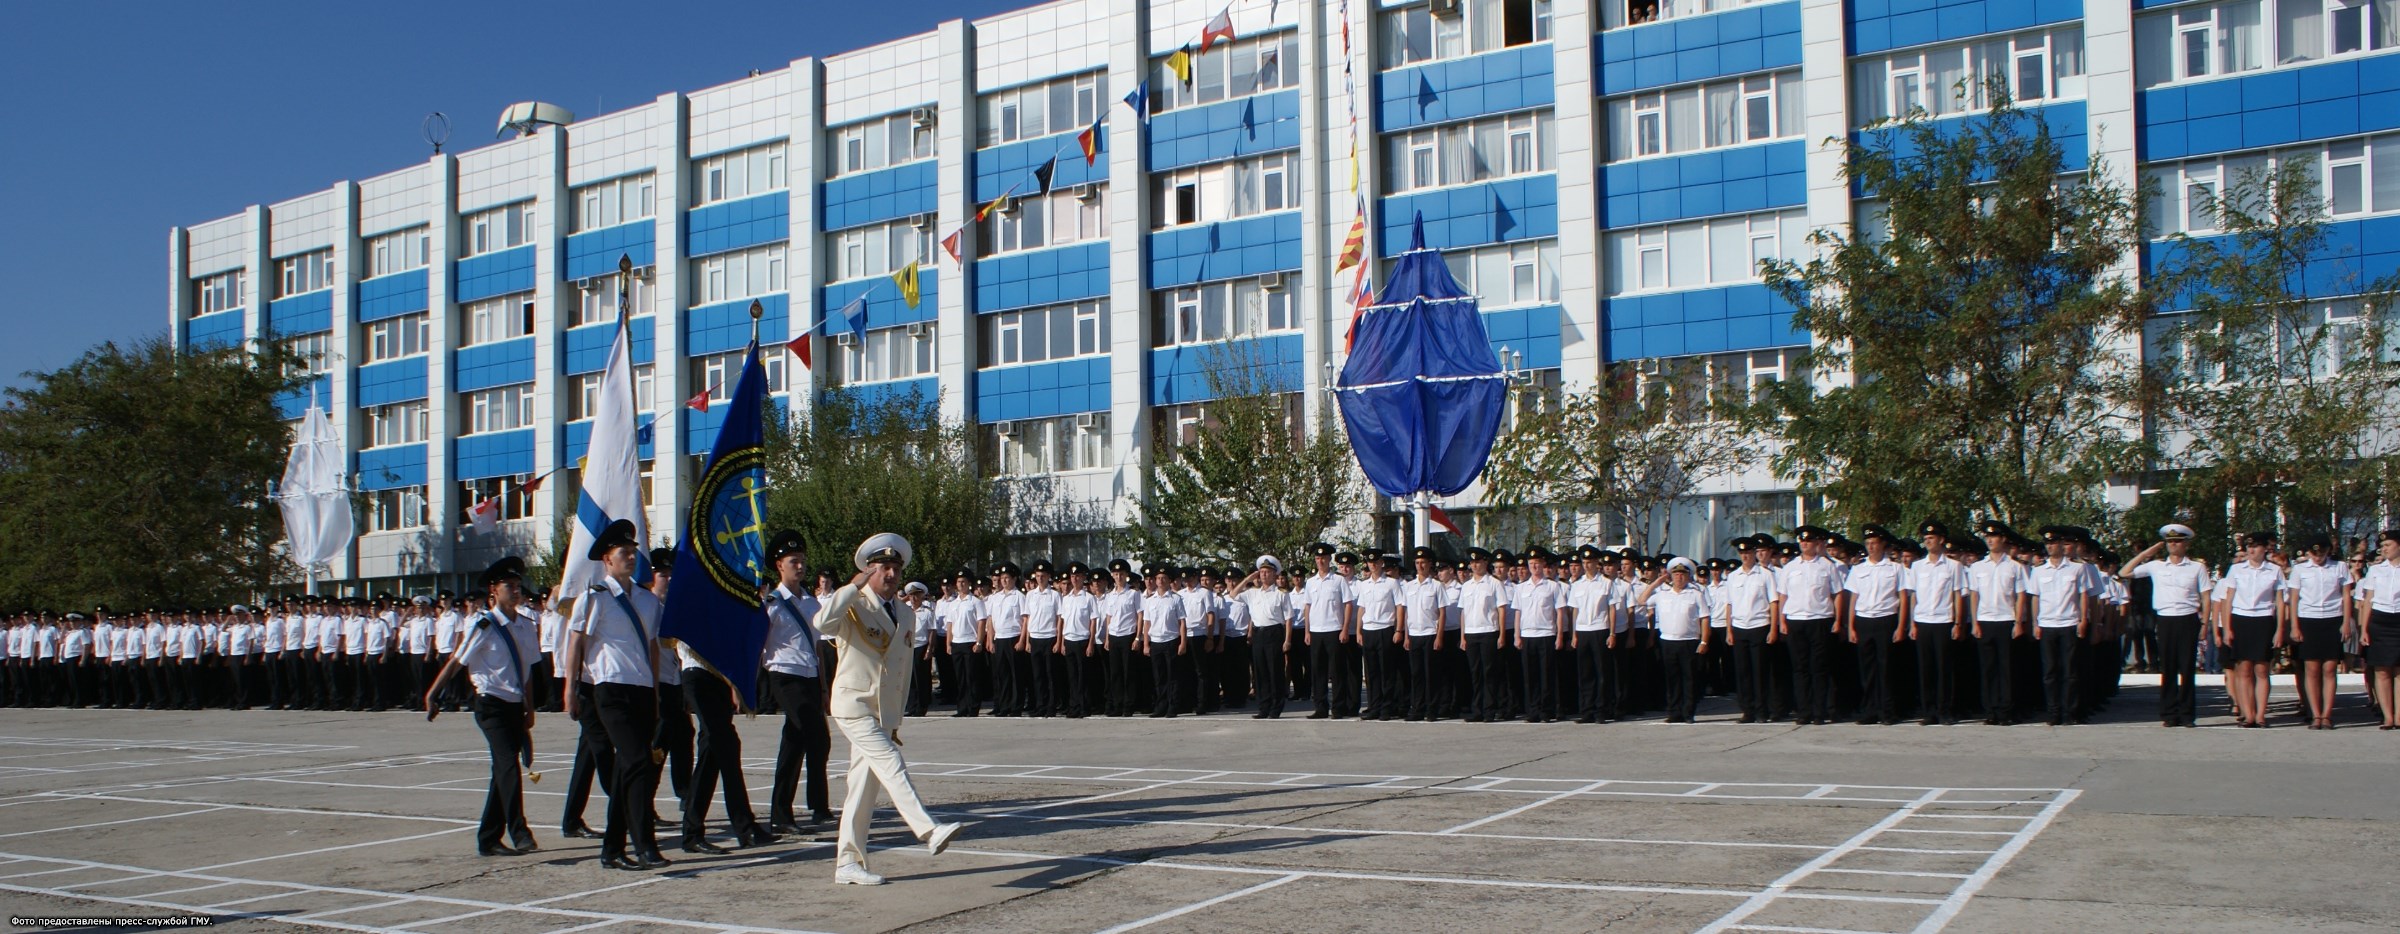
1422 392
720 566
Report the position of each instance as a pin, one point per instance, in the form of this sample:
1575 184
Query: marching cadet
926 627
1996 591
1004 646
2317 600
717 745
1162 637
1748 615
1937 599
2062 590
2249 599
1591 603
795 676
1421 626
674 720
1041 642
1379 638
1871 622
1327 611
493 655
1680 611
612 644
2378 623
869 680
2179 598
1079 631
549 687
1807 592
967 630
1269 608
1120 615
1539 608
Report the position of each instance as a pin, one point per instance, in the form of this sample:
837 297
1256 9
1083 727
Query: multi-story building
1605 175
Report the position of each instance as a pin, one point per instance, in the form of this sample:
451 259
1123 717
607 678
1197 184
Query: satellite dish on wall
436 129
529 117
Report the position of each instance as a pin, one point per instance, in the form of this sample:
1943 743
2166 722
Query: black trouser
1937 694
675 736
1679 666
1755 688
962 667
806 744
1043 697
1121 671
275 687
75 689
1875 666
1078 663
2178 643
1200 673
1483 670
1592 698
1541 678
1423 678
1811 642
1162 679
629 714
2061 650
920 681
546 686
503 725
593 757
1996 649
237 684
1266 668
1008 697
716 757
1384 663
1233 670
1334 694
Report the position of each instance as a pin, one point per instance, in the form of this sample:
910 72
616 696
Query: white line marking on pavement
1203 903
1957 901
107 823
1782 886
1512 812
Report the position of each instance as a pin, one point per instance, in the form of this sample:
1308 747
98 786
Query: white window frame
398 423
739 275
399 251
624 200
1641 118
399 337
741 173
1468 31
1652 248
220 292
302 273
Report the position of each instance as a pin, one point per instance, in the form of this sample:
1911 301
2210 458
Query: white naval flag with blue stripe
612 472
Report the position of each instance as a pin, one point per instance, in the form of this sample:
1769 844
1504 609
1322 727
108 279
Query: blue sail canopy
1422 392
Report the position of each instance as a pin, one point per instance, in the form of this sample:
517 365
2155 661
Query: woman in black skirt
2250 629
2379 624
2315 599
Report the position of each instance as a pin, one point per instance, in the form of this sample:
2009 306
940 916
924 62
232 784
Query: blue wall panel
1041 277
487 365
881 195
925 388
1881 25
209 332
2355 254
885 307
392 381
1261 123
1225 250
725 326
1011 165
492 454
1704 184
480 277
1180 374
1463 88
736 225
1532 331
1673 324
1042 390
586 348
296 401
2067 123
576 437
391 467
1697 48
2325 101
1502 211
300 314
595 252
392 296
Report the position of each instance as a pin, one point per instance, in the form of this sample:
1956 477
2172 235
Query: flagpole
757 311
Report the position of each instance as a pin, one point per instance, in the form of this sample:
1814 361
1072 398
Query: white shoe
855 874
939 839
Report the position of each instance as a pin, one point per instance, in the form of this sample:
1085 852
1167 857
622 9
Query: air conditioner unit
1087 193
1005 429
1087 419
1272 282
1445 7
846 339
916 329
920 221
922 117
1012 207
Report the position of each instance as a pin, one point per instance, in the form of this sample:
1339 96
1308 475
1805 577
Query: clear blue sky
124 119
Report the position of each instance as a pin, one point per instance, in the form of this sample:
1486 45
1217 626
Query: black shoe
651 860
703 846
2051 720
1319 715
784 828
525 845
1748 718
578 829
1867 721
1928 721
1261 715
619 862
498 850
821 817
755 835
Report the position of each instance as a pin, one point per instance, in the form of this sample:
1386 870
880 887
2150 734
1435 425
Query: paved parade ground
267 820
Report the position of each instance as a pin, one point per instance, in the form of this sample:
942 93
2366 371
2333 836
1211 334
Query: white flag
612 473
485 515
316 509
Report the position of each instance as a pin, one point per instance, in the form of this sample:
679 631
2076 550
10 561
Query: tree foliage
1970 333
1619 451
137 476
1251 479
850 467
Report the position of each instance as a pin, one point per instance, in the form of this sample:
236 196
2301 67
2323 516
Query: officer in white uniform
1808 590
870 630
1937 587
2378 620
1120 621
2179 597
1871 621
494 655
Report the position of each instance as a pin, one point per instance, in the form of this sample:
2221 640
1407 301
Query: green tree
1249 479
1623 451
2273 402
1971 332
849 467
140 475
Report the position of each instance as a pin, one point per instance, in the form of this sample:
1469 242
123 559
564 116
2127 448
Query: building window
398 251
515 502
308 272
1034 335
880 250
1691 389
394 338
500 228
613 202
734 276
898 139
507 317
2198 41
1037 110
715 374
596 300
398 423
1175 427
1946 81
1035 446
1476 151
502 409
904 352
1225 190
312 354
1708 116
583 393
1696 254
1228 70
2351 178
1417 34
220 292
739 174
398 510
1506 274
1218 311
1065 215
1615 13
